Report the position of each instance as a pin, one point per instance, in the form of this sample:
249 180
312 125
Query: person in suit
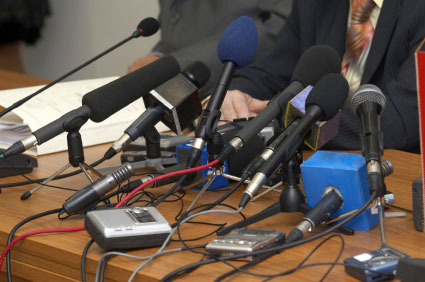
190 29
384 57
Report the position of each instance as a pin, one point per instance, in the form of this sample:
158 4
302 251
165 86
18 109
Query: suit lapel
331 26
383 32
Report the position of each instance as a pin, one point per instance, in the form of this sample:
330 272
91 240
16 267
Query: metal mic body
368 103
331 201
211 114
90 194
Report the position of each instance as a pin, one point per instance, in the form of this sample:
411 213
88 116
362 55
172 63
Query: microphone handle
372 136
24 100
150 117
70 121
276 107
294 140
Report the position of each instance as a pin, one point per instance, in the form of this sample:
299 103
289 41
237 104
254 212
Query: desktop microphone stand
75 157
291 198
153 152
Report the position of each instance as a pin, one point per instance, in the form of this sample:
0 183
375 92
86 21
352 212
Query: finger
257 106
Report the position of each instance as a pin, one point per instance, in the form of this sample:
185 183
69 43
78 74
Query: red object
42 231
420 79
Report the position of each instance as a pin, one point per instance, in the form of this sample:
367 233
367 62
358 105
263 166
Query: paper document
55 102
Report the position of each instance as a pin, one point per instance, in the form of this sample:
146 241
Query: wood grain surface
56 257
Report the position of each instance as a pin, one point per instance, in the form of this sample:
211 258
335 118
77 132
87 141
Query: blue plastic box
348 173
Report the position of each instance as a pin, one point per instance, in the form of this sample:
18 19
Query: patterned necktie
360 33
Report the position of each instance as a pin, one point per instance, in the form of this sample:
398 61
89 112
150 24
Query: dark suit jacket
190 29
390 64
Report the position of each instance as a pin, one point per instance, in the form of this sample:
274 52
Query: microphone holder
75 157
153 152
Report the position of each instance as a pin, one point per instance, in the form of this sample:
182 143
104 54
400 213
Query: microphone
176 103
236 48
145 28
314 63
323 103
331 201
103 102
84 198
368 103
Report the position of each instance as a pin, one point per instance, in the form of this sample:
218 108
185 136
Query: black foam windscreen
148 27
316 62
198 73
112 97
329 93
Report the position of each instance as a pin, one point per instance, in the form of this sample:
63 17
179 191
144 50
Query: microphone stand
75 157
153 152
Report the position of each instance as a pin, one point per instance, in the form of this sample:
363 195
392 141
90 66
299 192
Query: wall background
77 30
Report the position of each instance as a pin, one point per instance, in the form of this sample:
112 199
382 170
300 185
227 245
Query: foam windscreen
239 42
316 62
112 97
329 94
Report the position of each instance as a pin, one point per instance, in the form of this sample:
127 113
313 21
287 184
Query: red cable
184 171
140 187
41 231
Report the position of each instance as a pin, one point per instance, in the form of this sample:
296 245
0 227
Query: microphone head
148 27
198 73
329 93
239 42
367 93
316 62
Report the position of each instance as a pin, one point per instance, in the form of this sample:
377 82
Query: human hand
141 62
237 104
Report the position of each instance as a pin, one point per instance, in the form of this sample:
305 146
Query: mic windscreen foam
148 27
198 73
112 97
329 94
239 42
316 62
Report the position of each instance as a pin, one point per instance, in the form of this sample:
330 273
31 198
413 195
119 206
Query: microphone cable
172 274
146 27
13 231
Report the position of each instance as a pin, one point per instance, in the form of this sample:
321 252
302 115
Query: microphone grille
367 93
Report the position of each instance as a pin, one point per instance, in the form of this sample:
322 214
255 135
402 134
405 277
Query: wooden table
56 257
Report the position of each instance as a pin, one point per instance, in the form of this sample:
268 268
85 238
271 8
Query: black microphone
314 63
236 48
103 102
176 103
146 27
368 103
323 103
92 193
331 202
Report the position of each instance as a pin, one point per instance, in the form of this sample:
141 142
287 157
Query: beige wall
77 30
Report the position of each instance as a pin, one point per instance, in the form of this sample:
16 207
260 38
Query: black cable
171 190
311 253
83 260
255 261
184 241
62 176
278 248
13 231
51 186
